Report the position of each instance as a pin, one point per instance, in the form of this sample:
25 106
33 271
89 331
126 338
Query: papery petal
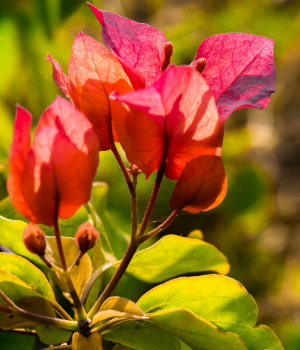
177 112
63 81
240 70
17 159
202 185
60 165
95 73
70 122
139 45
37 184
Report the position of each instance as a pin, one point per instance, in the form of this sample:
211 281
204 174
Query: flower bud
200 65
34 239
86 237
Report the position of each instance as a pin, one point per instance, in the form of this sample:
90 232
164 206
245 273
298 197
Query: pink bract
52 176
240 67
174 120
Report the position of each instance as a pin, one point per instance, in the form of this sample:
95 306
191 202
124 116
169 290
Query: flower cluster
167 118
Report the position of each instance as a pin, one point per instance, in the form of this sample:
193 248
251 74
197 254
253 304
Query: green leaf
141 335
217 299
15 288
118 307
122 305
11 236
174 255
80 274
259 338
28 273
195 331
38 306
113 240
10 341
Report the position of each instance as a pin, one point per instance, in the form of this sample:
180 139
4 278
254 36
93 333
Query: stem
133 205
79 308
48 321
133 245
109 324
5 310
161 227
61 311
60 248
76 261
42 320
123 168
156 187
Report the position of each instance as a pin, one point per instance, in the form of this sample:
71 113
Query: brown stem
79 308
161 227
133 245
42 320
60 248
5 310
156 187
123 168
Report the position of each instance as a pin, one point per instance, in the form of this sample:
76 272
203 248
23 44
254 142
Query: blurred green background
258 225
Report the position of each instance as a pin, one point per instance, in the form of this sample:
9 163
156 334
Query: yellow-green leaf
217 299
174 255
93 342
80 274
195 331
122 305
15 288
141 335
28 273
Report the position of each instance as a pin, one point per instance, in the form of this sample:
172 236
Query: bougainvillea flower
174 120
94 73
52 176
201 186
240 67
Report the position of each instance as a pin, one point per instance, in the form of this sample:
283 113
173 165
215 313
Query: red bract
240 67
139 46
94 73
173 121
52 176
201 186
240 70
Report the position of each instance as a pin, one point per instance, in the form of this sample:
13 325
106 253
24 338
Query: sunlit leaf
195 331
122 305
137 335
28 273
217 299
80 274
38 306
174 255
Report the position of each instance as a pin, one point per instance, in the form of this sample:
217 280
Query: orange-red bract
201 186
52 176
94 73
176 119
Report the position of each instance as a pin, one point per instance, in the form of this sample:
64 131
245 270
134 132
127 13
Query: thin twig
161 227
132 248
79 308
